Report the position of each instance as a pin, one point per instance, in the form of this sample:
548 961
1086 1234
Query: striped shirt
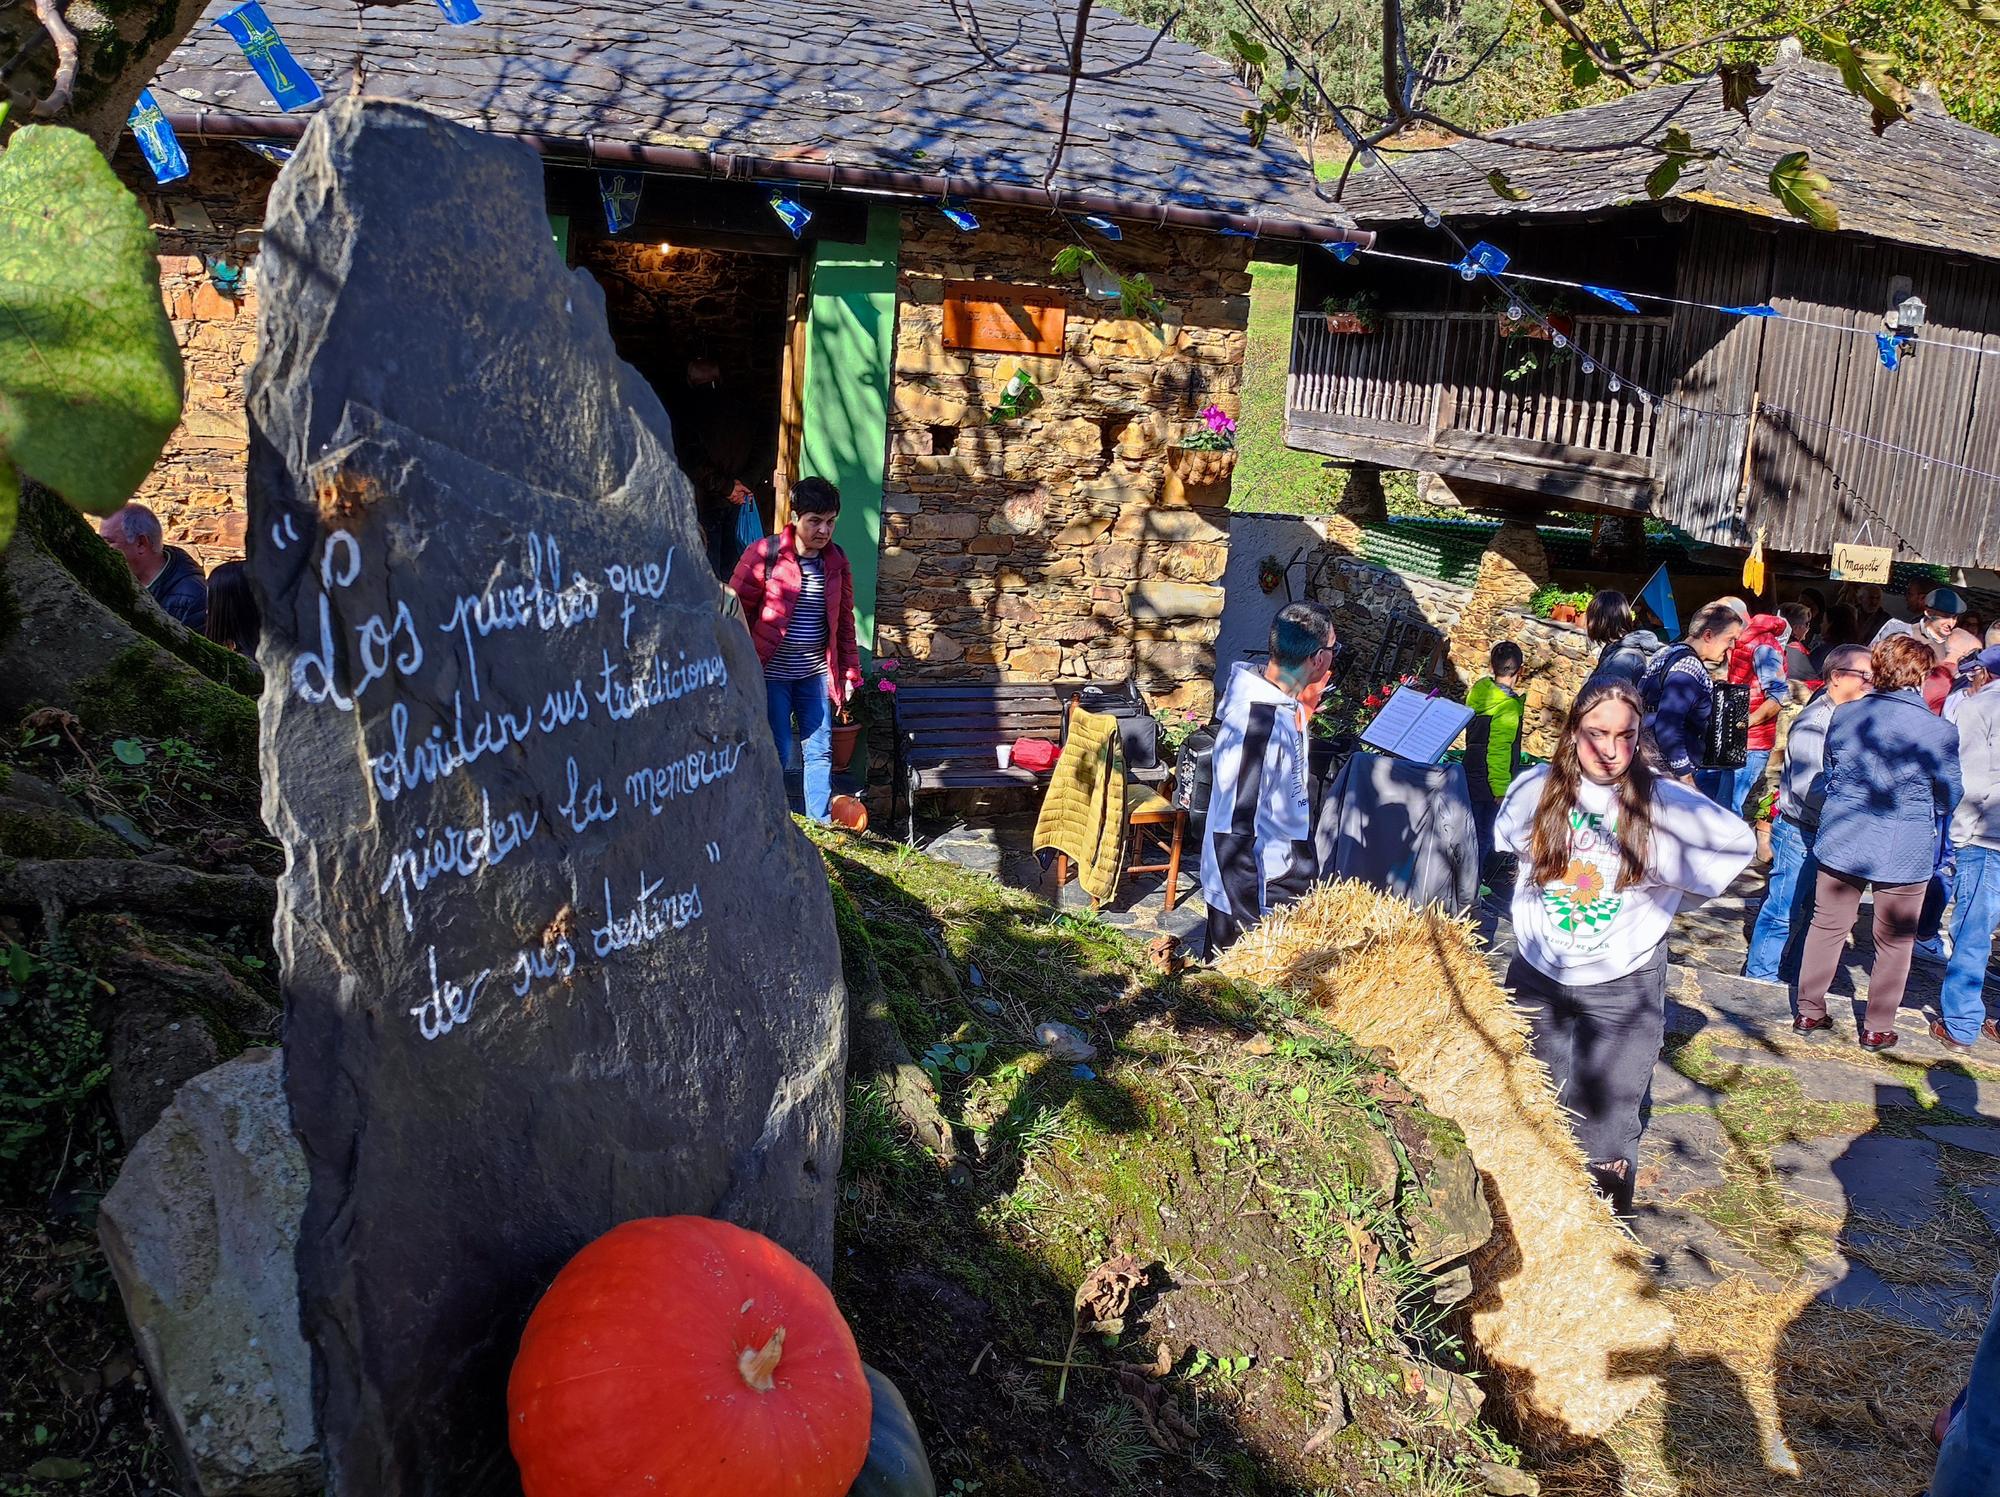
803 654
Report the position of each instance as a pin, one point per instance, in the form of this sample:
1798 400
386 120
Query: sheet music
1414 725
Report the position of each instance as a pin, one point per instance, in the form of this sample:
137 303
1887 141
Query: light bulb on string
1514 313
1559 340
1616 384
1589 365
1467 271
1431 218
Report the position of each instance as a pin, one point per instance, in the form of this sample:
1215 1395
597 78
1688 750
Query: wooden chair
1148 813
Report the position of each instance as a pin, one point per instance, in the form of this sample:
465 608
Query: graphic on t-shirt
1584 902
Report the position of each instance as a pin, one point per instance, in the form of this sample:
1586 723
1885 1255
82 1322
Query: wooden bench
946 734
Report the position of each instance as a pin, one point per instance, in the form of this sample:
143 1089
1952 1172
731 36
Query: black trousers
1600 1043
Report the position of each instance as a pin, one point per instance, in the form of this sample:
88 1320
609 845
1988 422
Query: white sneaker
1937 949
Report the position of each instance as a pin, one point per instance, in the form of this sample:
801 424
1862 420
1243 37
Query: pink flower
1218 421
885 685
887 665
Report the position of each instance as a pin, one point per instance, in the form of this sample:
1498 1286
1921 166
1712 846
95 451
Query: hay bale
1565 1314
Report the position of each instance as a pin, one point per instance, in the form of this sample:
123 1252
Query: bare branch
967 16
49 13
1069 94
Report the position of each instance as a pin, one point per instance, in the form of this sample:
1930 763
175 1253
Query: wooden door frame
791 392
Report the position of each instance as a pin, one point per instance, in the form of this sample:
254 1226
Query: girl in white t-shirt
1609 847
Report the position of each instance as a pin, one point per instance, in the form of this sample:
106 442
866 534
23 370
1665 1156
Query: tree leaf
1070 259
1249 48
125 751
1259 120
1799 188
1583 69
1497 180
90 376
1867 77
1660 181
1741 84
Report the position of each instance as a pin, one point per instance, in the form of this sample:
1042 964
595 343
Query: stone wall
1060 545
1559 659
216 213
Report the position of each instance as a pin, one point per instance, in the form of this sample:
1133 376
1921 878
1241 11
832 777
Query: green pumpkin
896 1466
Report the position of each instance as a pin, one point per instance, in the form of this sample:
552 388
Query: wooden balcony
1427 390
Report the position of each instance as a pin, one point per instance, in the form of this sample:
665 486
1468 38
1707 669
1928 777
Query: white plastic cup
1004 752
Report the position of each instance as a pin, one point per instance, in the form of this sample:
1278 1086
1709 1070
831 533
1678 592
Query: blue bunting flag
1617 299
961 218
619 192
459 12
278 154
157 142
791 212
1482 259
1103 226
1340 249
291 86
1759 310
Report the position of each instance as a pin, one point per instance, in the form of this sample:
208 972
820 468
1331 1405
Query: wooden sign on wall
1853 563
992 317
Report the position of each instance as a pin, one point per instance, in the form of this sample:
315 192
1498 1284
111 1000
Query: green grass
1270 477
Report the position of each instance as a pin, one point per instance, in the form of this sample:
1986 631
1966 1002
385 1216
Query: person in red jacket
1758 660
797 592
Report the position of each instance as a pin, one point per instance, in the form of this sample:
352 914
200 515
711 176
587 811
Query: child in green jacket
1493 739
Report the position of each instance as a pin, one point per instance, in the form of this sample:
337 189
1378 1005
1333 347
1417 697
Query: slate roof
802 85
1928 180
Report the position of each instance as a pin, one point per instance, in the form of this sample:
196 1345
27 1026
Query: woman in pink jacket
797 593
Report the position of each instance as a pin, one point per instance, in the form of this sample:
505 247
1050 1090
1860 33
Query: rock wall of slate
216 212
1060 546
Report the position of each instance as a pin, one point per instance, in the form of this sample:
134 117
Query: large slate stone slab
554 956
200 1228
1969 1136
1872 1175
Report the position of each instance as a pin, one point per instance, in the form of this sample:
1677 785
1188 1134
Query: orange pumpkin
682 1357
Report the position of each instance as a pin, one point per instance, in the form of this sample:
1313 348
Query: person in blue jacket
1892 783
1679 692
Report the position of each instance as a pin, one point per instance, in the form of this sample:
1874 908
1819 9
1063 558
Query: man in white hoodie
1257 852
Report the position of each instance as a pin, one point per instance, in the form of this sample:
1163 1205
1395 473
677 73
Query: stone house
1052 539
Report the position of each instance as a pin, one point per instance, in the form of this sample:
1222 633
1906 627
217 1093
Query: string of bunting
1888 344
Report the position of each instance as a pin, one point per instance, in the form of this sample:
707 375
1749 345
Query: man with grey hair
167 572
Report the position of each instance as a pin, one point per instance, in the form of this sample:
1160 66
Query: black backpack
1138 732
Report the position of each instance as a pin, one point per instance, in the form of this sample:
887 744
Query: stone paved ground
1873 1179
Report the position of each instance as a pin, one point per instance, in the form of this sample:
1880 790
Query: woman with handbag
1892 782
1679 695
1609 848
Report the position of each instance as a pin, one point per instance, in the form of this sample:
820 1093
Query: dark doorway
709 329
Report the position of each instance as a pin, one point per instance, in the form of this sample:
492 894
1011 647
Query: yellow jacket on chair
1083 814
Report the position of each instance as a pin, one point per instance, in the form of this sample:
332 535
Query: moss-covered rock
132 695
1256 1166
31 831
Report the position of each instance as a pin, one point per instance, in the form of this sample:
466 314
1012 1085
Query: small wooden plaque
992 317
1852 563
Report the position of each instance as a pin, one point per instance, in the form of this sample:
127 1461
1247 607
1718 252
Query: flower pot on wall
1347 324
1527 327
844 735
1202 468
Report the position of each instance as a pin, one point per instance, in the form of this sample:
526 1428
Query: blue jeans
1788 900
1972 920
1732 786
807 701
1971 1451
